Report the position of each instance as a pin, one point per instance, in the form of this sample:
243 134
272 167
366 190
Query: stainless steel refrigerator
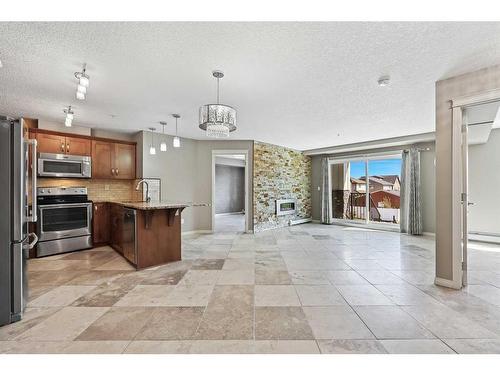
15 214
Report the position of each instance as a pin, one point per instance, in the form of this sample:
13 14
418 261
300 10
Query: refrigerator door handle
33 217
32 244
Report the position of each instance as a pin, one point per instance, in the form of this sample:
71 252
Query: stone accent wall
279 173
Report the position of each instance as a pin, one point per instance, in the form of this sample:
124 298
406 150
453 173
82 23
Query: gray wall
186 174
177 170
229 189
484 182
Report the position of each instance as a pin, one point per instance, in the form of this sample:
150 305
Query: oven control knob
42 191
48 191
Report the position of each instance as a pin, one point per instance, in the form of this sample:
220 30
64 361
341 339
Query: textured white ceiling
302 85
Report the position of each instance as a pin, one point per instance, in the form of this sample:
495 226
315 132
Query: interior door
124 161
78 146
102 159
51 144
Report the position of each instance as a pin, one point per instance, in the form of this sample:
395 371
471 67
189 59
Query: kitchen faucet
143 181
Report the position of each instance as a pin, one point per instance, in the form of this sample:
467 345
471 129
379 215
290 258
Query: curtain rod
420 149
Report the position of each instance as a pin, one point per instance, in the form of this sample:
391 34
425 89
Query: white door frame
459 184
216 153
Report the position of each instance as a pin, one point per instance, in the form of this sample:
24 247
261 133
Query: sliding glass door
348 191
358 199
384 177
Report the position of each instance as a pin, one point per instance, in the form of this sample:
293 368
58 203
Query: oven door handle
64 205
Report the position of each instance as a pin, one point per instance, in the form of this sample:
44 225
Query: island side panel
158 243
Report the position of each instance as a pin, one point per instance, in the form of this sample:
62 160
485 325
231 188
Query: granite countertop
156 205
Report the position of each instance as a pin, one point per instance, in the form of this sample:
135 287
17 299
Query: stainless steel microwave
61 165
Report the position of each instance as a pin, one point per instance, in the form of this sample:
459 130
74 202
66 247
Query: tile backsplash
99 189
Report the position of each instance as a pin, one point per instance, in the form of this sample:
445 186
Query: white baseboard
485 237
199 231
300 221
231 213
431 234
447 283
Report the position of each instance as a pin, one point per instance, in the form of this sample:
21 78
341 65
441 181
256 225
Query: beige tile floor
305 289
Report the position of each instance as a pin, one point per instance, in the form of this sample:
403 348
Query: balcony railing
351 205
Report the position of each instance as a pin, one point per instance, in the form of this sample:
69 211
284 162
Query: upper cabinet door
78 146
51 144
102 159
124 161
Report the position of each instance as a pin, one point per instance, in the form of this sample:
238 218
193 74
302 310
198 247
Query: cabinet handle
95 207
67 147
117 171
62 146
112 171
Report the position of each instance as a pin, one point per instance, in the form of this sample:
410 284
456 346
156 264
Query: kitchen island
146 233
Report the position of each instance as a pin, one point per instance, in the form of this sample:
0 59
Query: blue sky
376 167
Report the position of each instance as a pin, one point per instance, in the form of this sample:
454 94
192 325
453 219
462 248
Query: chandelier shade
217 120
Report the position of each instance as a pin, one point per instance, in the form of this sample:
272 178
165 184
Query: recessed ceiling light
384 81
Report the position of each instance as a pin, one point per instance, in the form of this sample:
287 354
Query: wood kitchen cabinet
51 143
116 227
125 161
102 159
61 144
100 224
78 146
113 160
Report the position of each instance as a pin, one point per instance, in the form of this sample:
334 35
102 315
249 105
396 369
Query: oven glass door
61 168
62 221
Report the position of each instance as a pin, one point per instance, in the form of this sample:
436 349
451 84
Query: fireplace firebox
285 207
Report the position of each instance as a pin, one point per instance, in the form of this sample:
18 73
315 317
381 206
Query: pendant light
152 148
69 116
177 140
163 144
83 83
217 119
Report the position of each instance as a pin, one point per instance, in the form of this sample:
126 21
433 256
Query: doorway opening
229 191
480 181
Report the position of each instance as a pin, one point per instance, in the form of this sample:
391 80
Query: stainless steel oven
61 165
65 220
